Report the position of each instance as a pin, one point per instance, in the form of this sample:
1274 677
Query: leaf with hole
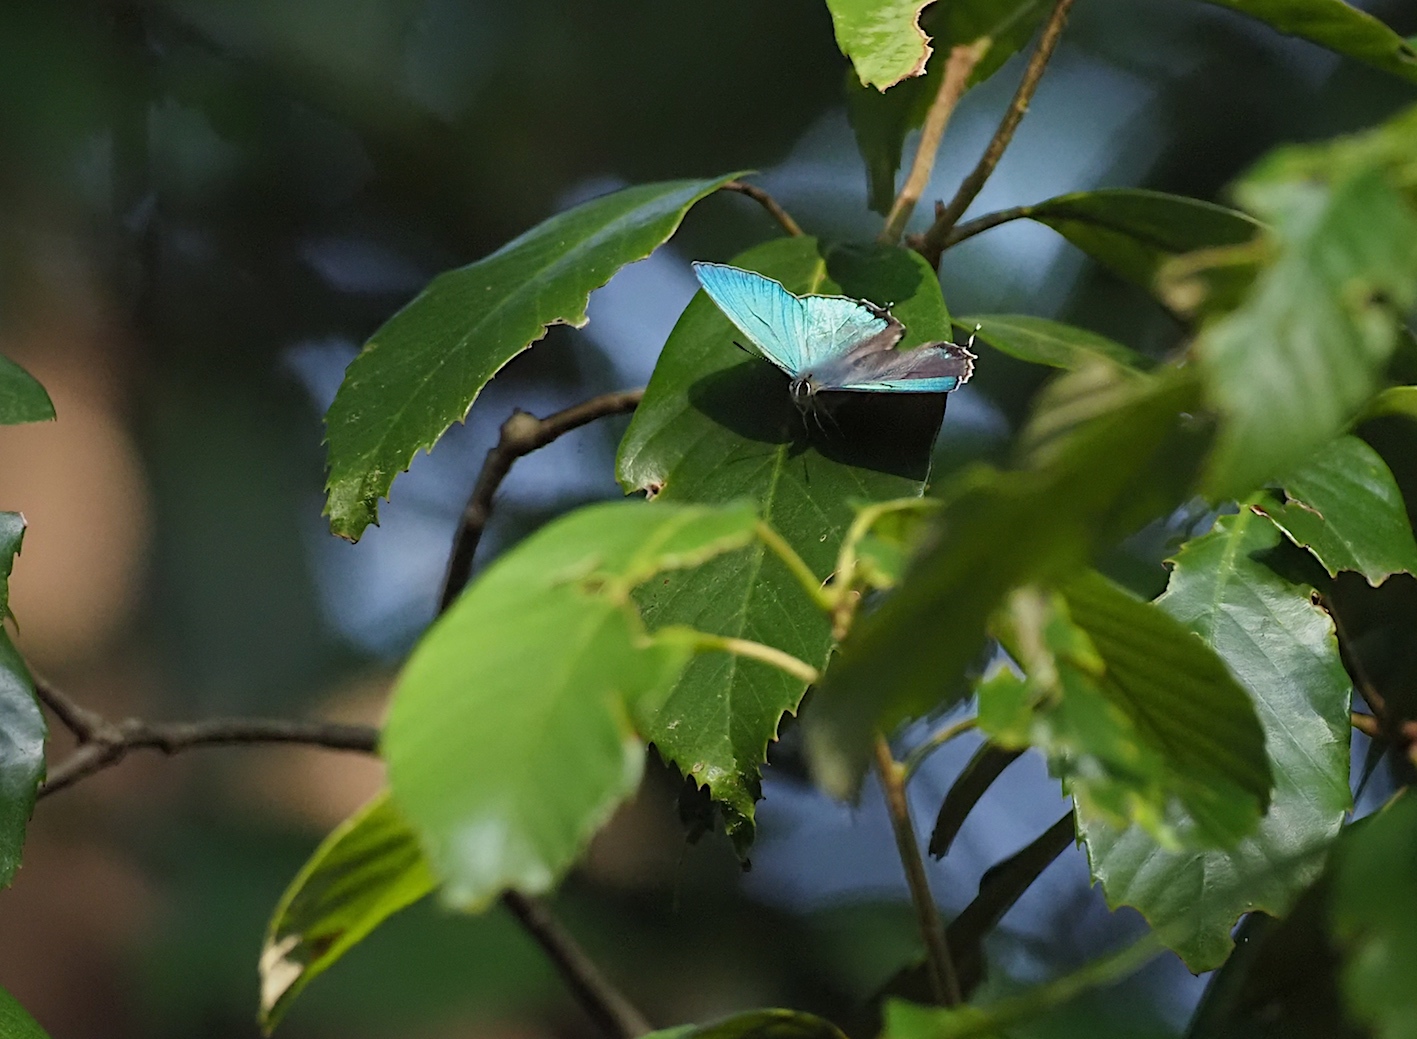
1281 648
367 869
424 368
1345 507
716 425
882 38
517 725
22 728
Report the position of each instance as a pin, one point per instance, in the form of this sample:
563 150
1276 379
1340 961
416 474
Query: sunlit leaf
1281 647
22 728
1373 909
367 869
883 121
15 1021
882 38
1345 507
22 398
1041 341
517 725
716 425
423 369
1112 454
1339 26
1291 367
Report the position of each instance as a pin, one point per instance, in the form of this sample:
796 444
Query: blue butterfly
831 342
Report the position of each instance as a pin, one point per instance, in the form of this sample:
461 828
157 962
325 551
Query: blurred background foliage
205 206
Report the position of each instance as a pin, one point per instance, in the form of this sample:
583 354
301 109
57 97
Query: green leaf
367 869
22 728
1373 909
1040 341
1400 401
757 1024
1107 453
1134 233
882 38
1282 649
1290 368
1184 704
1337 25
1345 507
717 426
423 369
516 726
882 121
15 1021
22 398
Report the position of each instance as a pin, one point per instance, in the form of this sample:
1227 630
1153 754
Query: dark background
205 207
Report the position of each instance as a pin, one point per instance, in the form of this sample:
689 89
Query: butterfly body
831 343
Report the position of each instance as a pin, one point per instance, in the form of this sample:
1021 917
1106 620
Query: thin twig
520 435
769 203
611 1011
103 743
1366 724
958 66
932 244
918 754
944 981
970 228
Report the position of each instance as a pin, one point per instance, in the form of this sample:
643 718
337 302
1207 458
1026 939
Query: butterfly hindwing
932 368
773 318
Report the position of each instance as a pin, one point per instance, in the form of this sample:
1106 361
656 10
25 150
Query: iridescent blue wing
932 368
771 317
838 327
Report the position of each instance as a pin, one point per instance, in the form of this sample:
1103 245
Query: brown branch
970 228
958 67
1366 724
103 743
932 243
611 1011
520 435
944 981
769 203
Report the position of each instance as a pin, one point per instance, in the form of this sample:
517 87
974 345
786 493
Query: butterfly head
803 388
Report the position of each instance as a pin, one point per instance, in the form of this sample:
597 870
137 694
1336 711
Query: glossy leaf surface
367 869
1281 647
423 369
516 726
1345 507
717 425
22 728
22 398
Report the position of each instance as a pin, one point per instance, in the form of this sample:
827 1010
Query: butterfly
831 342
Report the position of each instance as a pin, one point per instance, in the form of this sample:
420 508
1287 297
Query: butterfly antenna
743 348
970 343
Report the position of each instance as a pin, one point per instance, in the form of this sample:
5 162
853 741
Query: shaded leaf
22 728
1041 341
1395 400
1290 368
515 728
367 869
1337 25
882 38
15 1021
1105 454
1282 649
1373 910
757 1024
716 426
1184 704
882 121
1345 507
422 370
1134 232
22 398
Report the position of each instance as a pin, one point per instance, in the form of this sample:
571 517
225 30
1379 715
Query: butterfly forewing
773 318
